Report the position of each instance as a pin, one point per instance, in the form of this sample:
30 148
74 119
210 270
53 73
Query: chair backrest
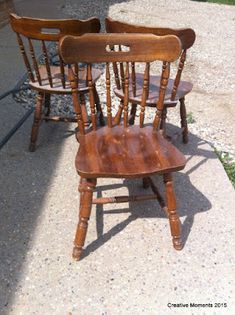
95 48
186 35
31 30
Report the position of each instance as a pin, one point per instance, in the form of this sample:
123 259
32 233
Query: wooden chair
123 150
35 35
176 88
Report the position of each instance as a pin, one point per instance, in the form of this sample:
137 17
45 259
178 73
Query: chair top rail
187 36
52 30
91 48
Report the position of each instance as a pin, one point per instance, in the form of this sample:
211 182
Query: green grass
231 2
228 165
190 119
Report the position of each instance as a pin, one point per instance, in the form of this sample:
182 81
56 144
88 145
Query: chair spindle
108 96
116 75
144 94
91 97
178 75
122 75
122 72
133 79
25 57
46 59
76 101
126 95
62 72
35 63
115 70
163 85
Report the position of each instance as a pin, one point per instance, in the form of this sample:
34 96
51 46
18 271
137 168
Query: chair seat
126 152
57 84
184 88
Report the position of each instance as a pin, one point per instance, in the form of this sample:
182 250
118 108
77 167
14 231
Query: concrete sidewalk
129 264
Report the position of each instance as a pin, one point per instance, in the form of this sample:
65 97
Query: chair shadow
190 201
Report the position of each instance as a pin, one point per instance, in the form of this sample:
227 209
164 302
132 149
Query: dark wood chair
123 150
35 37
176 88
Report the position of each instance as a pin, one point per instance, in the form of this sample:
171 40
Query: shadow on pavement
25 178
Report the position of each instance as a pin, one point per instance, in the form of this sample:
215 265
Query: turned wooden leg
132 113
47 104
118 115
163 121
174 220
98 107
86 189
36 122
84 110
183 117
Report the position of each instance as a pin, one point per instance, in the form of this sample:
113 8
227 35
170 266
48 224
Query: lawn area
231 2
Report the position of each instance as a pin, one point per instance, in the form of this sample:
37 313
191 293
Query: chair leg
86 189
36 122
118 115
47 104
132 113
174 220
98 107
183 117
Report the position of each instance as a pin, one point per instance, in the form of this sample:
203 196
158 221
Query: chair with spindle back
176 88
123 150
35 35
